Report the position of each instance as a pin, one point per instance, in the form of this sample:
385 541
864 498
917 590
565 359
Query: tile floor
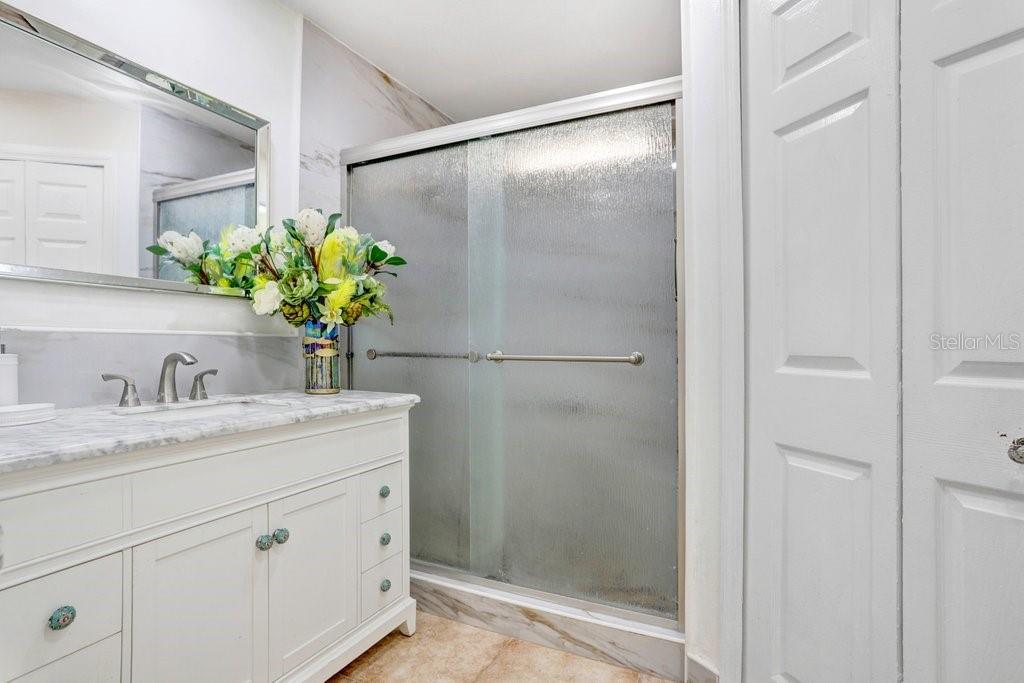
445 650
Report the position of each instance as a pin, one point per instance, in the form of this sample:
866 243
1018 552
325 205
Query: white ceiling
472 58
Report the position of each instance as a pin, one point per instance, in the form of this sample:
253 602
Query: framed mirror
99 156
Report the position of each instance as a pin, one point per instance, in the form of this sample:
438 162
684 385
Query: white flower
348 234
243 239
267 299
278 235
386 247
311 226
187 251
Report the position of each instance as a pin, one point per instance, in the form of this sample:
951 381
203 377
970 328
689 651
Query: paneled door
314 572
822 197
12 212
64 216
963 363
199 603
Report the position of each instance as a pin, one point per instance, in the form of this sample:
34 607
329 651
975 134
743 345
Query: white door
822 197
12 212
64 216
314 575
963 312
199 603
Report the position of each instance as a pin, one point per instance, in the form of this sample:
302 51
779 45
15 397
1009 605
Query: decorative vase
322 358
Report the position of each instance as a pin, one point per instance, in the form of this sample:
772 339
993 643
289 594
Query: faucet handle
198 392
129 396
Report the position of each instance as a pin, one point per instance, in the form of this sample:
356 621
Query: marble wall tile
347 101
64 367
558 626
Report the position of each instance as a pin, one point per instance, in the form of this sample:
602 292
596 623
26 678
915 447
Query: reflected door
557 240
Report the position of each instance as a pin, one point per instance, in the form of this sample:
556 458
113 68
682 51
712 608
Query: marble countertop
80 433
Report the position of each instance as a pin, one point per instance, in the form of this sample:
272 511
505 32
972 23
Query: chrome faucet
168 391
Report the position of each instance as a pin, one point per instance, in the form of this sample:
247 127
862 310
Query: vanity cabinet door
314 572
199 605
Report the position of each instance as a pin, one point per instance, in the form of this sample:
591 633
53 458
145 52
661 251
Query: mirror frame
15 18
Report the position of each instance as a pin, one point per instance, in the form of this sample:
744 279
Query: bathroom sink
201 410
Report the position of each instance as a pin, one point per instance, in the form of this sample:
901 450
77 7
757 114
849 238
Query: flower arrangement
308 269
315 274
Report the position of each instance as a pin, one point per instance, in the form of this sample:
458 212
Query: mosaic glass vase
321 357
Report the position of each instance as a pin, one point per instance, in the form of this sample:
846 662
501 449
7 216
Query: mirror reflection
95 165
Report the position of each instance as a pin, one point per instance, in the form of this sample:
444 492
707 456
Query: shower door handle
635 358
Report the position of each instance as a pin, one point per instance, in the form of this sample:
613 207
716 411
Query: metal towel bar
635 358
471 356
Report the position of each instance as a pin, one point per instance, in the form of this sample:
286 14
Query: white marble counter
80 433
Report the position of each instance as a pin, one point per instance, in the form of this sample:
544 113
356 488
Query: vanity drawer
99 663
41 524
381 586
27 641
380 538
380 491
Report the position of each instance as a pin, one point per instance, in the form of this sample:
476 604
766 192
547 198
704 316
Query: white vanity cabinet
274 554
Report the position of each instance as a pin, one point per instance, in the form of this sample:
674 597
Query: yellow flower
337 299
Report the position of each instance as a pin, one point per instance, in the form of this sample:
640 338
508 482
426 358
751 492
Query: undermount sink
200 410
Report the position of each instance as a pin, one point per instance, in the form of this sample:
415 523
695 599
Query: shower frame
667 90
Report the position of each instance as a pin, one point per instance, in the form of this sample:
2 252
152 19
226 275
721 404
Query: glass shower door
551 476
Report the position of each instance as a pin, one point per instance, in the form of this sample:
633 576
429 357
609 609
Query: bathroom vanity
257 538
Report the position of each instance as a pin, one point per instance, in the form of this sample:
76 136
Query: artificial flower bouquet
308 269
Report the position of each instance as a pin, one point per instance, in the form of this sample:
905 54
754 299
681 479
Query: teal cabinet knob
385 538
385 585
264 542
385 491
281 536
62 617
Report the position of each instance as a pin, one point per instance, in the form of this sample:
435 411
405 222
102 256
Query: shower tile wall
347 101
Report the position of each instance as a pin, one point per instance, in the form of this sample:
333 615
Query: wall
347 101
248 53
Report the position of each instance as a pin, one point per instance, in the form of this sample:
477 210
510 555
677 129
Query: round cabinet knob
62 617
385 538
385 491
264 542
281 536
1016 451
385 585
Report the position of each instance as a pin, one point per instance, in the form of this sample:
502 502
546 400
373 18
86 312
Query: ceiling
472 58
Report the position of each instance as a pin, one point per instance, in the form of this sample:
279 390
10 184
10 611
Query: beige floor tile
441 651
522 662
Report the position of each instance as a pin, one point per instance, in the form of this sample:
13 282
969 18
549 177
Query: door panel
822 176
12 212
199 603
314 575
963 366
64 216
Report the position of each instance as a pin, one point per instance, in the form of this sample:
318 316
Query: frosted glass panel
554 240
419 203
207 214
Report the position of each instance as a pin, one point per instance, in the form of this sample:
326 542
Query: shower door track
652 92
628 97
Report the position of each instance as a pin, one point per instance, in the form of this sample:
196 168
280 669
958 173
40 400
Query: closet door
821 159
963 311
199 604
64 216
12 212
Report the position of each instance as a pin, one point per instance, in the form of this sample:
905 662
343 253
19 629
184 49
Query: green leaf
332 220
377 254
157 249
396 261
288 222
387 272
